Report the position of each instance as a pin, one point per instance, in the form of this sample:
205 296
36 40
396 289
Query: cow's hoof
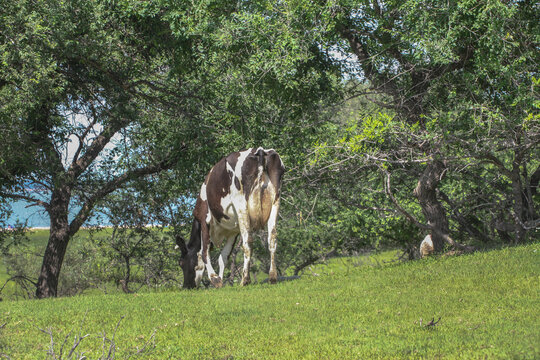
216 281
245 281
272 277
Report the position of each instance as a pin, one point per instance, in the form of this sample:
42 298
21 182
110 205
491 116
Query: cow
240 195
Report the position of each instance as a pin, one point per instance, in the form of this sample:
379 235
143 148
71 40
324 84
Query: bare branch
82 137
26 198
18 277
98 144
145 346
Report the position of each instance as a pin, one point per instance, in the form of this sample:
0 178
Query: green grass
488 302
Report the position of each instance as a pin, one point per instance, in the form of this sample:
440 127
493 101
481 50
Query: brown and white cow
239 196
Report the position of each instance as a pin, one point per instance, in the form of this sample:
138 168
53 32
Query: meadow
349 308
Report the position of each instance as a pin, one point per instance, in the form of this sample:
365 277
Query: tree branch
473 230
413 220
366 61
98 144
45 205
83 136
113 185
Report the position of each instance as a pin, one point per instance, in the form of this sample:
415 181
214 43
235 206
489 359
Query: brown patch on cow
237 183
275 170
200 212
250 168
217 187
232 159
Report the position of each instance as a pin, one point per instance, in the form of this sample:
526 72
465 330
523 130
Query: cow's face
188 262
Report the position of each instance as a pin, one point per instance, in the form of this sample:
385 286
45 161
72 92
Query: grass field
488 302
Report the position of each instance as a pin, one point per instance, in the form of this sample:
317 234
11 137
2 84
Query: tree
460 87
77 82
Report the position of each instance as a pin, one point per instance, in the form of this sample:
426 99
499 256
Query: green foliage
486 302
94 263
447 81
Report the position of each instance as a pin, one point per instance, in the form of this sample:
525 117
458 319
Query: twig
16 277
432 323
78 338
112 346
143 349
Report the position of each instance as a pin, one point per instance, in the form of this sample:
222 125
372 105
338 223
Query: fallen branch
432 323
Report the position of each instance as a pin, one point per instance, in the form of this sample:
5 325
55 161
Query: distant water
38 217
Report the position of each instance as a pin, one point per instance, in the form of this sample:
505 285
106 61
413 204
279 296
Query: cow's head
189 256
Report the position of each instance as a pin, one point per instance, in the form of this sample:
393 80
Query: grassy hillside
489 305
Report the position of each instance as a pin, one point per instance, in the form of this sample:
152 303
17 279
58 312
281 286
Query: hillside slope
488 304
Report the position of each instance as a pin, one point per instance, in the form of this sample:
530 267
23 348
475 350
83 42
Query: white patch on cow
208 216
199 269
229 167
240 163
209 268
272 241
202 194
225 255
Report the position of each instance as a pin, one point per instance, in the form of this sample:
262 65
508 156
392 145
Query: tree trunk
426 193
517 194
56 247
125 281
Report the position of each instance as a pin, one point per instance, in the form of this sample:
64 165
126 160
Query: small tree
139 244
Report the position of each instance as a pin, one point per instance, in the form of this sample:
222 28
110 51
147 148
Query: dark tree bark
466 224
426 193
532 189
47 285
517 194
127 278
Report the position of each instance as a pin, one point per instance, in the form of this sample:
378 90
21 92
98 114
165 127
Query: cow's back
246 181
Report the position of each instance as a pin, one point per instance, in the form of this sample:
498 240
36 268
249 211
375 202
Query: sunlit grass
488 303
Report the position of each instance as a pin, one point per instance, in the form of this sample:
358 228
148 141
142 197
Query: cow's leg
205 251
199 269
246 246
214 278
272 241
224 256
